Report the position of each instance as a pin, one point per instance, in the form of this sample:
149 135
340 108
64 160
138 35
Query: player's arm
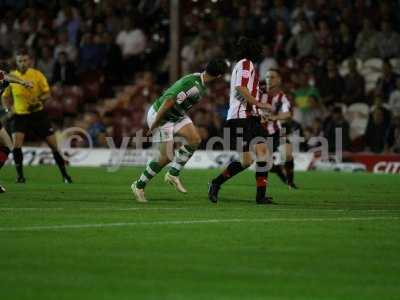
165 107
244 92
13 79
282 116
284 113
44 88
44 97
6 99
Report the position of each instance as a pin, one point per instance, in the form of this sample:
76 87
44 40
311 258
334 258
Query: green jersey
186 92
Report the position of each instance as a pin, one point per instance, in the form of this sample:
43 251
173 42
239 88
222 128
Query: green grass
335 238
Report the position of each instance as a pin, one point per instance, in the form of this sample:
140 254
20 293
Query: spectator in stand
64 72
388 41
279 11
387 83
366 42
113 59
344 45
315 130
377 129
95 128
331 85
245 23
336 121
304 97
392 140
45 63
354 84
304 10
394 99
133 43
281 37
303 44
324 36
91 53
64 46
73 25
268 62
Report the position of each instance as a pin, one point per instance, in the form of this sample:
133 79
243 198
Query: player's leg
235 167
52 142
263 156
188 131
5 146
18 141
154 166
163 136
289 164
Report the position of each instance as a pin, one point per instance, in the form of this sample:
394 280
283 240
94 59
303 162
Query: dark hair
248 48
216 67
337 110
22 51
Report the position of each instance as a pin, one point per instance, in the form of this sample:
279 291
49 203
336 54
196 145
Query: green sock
151 170
182 156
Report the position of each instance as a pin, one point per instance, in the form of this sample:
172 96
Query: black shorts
243 133
36 122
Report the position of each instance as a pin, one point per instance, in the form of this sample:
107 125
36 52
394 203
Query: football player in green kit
167 118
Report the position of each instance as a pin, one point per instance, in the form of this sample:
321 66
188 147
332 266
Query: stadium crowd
108 60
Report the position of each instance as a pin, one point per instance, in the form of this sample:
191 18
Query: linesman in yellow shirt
27 105
5 140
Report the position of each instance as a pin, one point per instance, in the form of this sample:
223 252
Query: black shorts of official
36 122
243 133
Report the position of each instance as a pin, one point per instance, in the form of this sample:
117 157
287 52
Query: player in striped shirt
167 117
272 123
243 122
5 139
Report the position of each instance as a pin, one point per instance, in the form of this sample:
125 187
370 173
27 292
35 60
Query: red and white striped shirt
244 74
280 104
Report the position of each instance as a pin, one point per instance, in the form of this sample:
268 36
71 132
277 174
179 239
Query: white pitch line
90 208
187 222
211 207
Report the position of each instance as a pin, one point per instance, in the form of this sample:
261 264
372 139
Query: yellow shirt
26 100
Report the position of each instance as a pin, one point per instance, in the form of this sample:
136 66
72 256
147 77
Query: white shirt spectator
394 102
67 48
267 64
132 42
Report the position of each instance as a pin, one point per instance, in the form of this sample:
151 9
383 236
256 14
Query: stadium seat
344 66
373 64
371 78
395 62
357 116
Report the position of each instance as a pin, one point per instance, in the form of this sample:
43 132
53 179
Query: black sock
289 168
234 168
4 151
261 179
278 169
18 160
60 163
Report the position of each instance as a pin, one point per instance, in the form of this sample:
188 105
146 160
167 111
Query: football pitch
338 237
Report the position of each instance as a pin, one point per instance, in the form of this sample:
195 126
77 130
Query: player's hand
264 118
27 84
148 132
